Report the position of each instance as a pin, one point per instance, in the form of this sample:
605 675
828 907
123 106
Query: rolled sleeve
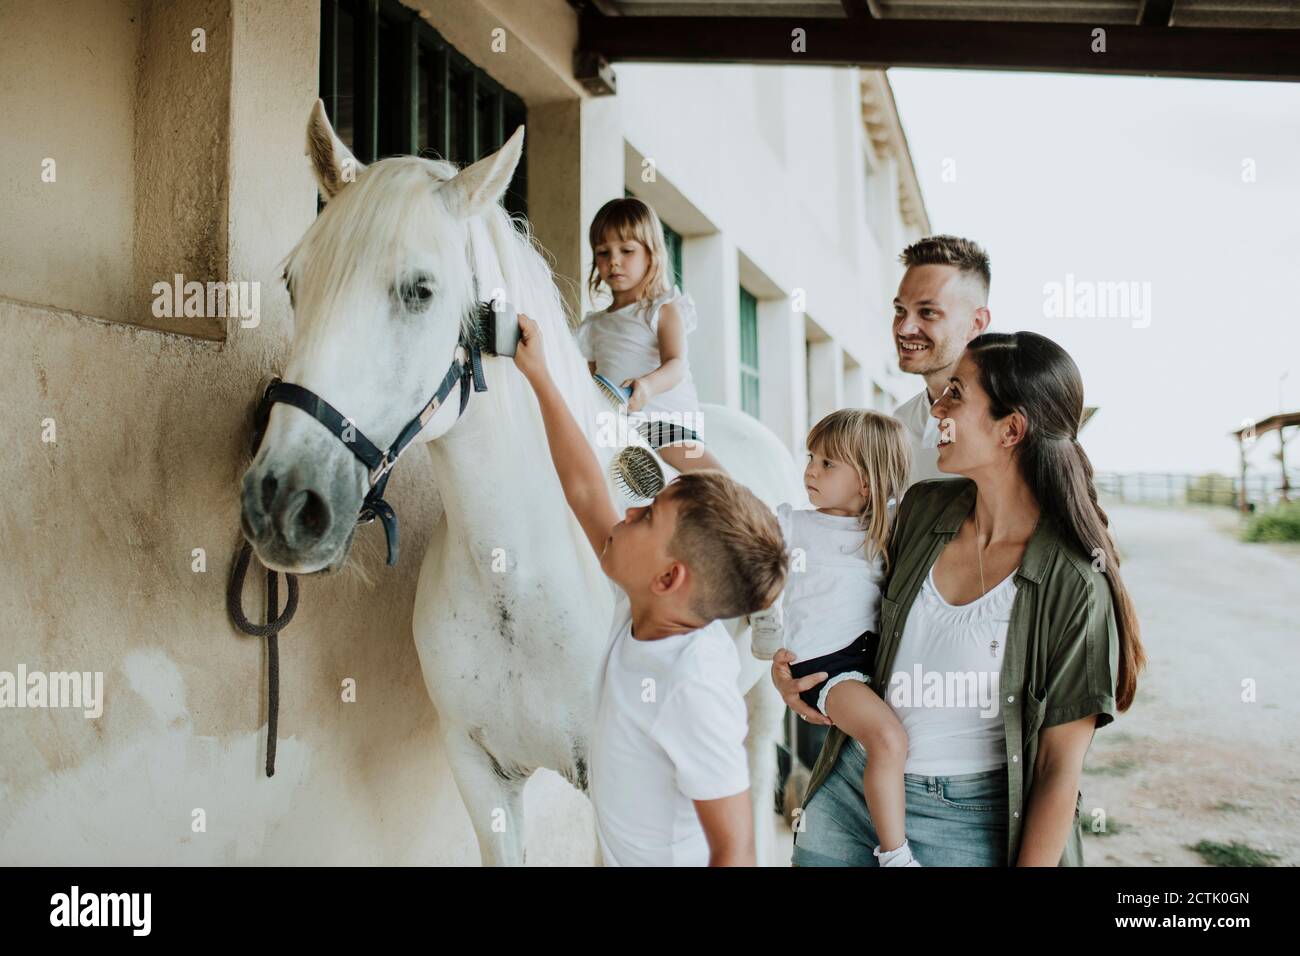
1085 657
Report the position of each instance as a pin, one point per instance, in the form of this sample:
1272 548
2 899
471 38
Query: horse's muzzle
290 523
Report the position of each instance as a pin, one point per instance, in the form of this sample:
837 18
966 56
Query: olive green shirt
1062 650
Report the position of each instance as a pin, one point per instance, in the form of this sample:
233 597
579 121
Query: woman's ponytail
1031 374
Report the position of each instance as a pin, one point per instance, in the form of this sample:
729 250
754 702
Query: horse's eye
417 294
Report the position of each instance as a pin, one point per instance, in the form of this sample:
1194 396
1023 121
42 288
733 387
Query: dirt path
1194 759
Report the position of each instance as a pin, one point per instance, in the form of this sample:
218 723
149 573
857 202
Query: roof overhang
1216 39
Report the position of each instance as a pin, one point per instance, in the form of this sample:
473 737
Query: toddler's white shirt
624 344
832 591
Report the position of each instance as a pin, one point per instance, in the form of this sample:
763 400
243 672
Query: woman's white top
832 590
944 685
624 344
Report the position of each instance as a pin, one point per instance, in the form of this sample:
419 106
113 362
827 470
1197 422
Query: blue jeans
959 820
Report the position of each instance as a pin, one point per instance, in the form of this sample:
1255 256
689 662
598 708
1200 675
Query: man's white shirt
923 430
670 729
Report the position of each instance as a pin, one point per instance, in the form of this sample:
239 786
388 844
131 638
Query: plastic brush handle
498 328
615 393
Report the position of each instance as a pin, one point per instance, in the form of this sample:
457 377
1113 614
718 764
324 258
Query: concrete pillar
575 166
825 380
857 388
783 375
714 270
182 154
274 64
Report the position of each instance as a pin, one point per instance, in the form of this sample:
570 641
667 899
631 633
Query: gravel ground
1196 759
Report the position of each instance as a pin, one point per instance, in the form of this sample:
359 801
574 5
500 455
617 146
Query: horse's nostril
315 515
269 485
308 519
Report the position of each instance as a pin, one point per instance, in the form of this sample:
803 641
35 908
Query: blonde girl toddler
827 616
639 340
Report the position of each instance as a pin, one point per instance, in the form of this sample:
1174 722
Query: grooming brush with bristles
618 395
636 470
496 328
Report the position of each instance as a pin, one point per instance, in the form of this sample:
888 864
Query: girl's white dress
624 344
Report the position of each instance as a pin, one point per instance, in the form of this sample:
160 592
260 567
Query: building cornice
883 129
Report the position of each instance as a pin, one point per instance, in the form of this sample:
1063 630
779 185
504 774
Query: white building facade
792 193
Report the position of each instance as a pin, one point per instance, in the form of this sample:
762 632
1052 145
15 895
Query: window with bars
393 86
748 352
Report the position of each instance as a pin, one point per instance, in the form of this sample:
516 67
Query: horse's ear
477 188
334 164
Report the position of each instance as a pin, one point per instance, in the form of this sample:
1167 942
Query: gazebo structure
1246 436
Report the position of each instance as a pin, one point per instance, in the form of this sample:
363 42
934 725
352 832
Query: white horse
512 611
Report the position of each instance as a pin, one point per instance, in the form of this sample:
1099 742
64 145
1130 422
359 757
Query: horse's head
381 287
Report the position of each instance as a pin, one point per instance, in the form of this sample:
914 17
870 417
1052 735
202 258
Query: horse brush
636 470
617 395
496 328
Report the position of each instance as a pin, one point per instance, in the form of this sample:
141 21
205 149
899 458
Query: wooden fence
1176 489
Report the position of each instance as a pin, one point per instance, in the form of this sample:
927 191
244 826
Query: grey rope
276 621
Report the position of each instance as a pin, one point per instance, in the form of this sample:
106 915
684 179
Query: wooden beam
1255 54
1155 13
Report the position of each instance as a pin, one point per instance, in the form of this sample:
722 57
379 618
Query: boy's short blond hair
730 541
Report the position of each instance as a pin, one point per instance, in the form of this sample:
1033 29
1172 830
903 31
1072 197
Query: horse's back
754 455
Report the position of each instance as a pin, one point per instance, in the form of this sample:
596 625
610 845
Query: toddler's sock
900 856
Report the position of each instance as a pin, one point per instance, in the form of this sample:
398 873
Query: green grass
1120 767
1113 826
1224 806
1233 854
1277 524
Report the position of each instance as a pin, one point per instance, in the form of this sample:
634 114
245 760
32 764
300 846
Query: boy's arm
728 825
575 462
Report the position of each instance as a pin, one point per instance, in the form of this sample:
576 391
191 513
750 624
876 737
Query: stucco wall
99 526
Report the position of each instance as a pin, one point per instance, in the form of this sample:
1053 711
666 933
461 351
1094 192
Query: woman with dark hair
1006 630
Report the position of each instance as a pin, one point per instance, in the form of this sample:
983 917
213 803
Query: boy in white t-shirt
668 770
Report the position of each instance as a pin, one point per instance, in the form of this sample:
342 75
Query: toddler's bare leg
860 713
690 456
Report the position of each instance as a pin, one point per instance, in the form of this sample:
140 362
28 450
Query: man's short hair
730 541
964 254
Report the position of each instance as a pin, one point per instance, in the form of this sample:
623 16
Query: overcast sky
1142 182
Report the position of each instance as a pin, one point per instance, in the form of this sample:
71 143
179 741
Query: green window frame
748 352
392 86
673 241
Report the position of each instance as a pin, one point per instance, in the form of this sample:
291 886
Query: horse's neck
493 468
500 490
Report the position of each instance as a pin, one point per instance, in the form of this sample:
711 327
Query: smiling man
942 303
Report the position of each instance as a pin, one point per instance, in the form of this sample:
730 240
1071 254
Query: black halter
466 368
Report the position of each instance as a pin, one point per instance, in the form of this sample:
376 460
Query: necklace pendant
993 649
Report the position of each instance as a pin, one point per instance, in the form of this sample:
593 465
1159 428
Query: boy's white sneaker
900 856
766 632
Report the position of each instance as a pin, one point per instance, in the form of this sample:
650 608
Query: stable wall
98 528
